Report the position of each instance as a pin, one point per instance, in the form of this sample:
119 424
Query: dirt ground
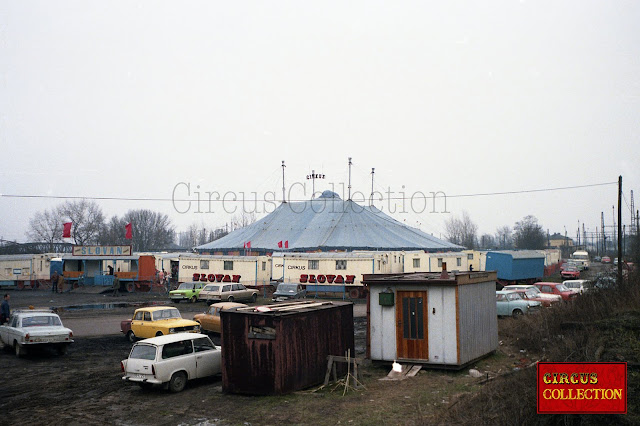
85 386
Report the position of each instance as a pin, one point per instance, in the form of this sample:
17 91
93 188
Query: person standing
54 282
5 311
116 286
61 283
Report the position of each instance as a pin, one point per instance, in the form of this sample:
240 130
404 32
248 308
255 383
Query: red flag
286 244
248 244
66 230
128 231
280 244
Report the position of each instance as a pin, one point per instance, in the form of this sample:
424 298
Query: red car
570 273
557 288
606 259
532 294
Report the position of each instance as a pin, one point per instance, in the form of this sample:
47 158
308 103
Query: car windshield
287 288
572 285
166 314
211 288
40 321
562 287
186 286
143 352
530 293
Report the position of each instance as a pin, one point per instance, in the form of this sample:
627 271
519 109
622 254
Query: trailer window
459 261
228 265
204 264
439 262
314 264
416 263
341 265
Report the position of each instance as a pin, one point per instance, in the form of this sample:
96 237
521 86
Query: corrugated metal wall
478 320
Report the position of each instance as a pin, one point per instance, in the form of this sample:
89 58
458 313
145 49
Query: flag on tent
66 230
128 234
279 244
286 244
247 245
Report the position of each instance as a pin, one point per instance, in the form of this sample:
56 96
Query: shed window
459 261
413 318
341 265
314 264
204 264
228 265
416 263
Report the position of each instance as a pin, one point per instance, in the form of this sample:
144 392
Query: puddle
116 305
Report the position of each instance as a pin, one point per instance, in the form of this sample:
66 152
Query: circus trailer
251 271
339 272
98 265
26 270
427 318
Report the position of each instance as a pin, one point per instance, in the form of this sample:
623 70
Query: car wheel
131 336
62 349
176 301
254 298
516 313
159 333
194 299
178 382
20 350
230 299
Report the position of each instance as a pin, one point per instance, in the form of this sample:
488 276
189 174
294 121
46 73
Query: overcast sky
138 99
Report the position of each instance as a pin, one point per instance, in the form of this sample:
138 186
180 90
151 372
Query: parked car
537 296
551 298
509 303
577 286
597 259
186 291
212 293
210 320
556 288
570 273
289 291
157 321
171 361
35 328
606 259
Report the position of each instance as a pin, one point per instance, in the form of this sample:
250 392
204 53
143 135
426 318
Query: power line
437 194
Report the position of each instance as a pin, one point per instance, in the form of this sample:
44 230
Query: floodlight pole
284 200
373 171
349 179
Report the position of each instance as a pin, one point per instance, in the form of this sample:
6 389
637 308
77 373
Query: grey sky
130 98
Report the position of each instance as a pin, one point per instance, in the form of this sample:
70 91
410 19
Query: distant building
559 241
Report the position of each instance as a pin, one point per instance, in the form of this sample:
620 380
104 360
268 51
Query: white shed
429 319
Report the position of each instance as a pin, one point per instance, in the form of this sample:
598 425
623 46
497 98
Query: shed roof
519 254
429 278
329 223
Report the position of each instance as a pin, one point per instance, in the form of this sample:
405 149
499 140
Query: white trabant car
171 360
32 328
577 286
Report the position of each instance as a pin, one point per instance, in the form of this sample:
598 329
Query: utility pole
604 237
284 200
349 179
619 230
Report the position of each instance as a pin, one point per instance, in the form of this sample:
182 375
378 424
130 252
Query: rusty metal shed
444 321
281 348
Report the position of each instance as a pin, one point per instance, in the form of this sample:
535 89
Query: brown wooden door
411 325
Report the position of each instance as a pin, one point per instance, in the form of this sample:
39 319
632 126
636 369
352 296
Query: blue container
512 265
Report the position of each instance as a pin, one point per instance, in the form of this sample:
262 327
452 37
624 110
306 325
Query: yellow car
157 321
210 320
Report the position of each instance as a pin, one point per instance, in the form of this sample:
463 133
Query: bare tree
487 241
151 230
46 227
504 239
243 219
86 218
529 234
462 231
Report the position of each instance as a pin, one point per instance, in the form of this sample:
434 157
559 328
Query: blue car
509 303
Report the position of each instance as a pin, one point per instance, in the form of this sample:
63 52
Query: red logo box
582 388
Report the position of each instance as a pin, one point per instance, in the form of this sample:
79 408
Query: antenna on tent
349 199
373 171
284 200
